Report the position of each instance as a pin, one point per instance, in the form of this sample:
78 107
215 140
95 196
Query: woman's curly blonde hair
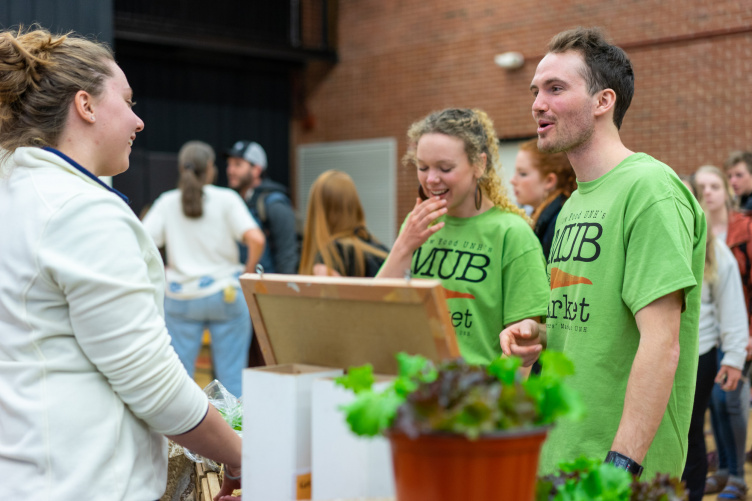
476 130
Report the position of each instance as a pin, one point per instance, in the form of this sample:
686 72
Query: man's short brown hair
606 66
738 156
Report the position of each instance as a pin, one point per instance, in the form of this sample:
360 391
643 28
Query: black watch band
624 462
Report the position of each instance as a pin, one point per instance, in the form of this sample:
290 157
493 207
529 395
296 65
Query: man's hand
728 377
523 339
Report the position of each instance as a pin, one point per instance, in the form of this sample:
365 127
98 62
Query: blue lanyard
83 170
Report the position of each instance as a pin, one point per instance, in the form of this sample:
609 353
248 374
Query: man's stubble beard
570 142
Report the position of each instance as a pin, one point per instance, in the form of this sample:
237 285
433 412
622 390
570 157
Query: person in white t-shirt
200 226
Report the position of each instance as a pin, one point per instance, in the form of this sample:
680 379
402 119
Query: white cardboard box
344 465
303 320
277 431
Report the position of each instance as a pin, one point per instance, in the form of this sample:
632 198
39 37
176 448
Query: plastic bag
231 409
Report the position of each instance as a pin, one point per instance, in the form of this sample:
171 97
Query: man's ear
83 102
606 100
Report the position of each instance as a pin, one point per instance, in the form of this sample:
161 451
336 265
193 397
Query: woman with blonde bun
336 240
465 232
89 385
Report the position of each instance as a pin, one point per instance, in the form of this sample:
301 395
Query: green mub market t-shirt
622 241
493 272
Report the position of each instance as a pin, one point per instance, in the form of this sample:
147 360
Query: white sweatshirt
723 315
88 379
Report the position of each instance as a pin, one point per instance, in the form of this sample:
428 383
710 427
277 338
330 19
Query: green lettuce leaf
357 379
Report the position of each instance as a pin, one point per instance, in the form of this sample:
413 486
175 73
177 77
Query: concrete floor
711 446
203 374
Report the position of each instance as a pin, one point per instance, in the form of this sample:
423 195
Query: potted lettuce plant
461 431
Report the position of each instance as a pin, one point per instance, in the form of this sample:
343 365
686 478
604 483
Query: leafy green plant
589 479
233 416
457 397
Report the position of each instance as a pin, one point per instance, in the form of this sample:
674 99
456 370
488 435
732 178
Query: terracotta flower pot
448 467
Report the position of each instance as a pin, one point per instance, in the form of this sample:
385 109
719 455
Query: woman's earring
478 195
421 193
91 118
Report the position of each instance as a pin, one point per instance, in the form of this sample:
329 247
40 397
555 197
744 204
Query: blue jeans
729 411
230 328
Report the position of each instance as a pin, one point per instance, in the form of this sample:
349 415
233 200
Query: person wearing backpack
271 207
269 204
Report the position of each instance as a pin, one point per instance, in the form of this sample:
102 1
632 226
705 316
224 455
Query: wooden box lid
344 322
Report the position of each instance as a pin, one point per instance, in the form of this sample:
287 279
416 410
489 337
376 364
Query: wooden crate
207 483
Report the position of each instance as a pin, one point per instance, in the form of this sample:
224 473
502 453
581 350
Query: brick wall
400 60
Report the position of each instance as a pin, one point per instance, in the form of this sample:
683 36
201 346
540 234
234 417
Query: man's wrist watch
623 462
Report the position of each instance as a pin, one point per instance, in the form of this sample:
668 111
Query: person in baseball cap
249 151
269 204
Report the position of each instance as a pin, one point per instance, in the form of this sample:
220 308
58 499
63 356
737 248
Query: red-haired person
544 181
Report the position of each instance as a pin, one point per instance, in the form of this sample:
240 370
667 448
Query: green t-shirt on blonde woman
493 272
622 241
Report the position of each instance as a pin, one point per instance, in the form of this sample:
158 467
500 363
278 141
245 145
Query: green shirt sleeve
659 245
525 280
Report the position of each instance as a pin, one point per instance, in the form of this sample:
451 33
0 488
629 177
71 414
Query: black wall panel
88 17
182 95
257 22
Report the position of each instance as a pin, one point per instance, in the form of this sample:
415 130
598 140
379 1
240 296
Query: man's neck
599 155
245 192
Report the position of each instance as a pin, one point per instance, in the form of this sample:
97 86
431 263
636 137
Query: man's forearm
648 391
651 377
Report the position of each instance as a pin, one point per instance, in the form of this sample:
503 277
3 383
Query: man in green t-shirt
625 270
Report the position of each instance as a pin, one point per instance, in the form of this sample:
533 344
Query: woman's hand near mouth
420 225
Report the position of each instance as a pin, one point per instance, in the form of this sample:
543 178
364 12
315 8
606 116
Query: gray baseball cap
250 151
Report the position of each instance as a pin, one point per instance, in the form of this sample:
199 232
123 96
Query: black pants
696 468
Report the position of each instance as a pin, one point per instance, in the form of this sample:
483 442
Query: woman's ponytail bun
23 58
40 74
